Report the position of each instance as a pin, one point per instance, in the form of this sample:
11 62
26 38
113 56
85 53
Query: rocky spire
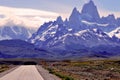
75 13
75 18
90 9
59 20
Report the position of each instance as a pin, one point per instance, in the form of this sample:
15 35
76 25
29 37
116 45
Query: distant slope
20 49
17 43
15 32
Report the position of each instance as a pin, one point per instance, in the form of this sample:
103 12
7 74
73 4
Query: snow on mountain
94 23
53 36
85 37
15 32
83 32
115 33
89 18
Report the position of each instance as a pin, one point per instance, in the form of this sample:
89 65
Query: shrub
63 77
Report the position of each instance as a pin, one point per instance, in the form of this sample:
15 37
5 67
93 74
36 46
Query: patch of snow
5 37
94 23
29 34
115 32
83 38
33 41
95 29
53 32
67 35
100 35
80 32
50 32
50 25
42 38
20 30
13 30
70 29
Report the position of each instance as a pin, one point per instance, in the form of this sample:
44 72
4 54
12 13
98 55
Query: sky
33 13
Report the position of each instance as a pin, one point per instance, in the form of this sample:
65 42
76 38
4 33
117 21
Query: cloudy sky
33 13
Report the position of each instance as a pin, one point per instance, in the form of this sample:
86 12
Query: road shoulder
45 74
8 71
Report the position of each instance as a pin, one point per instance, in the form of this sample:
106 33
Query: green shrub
63 77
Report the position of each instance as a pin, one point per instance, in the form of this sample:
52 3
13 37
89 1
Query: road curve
24 72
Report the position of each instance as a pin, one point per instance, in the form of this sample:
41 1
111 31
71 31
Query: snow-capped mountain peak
83 32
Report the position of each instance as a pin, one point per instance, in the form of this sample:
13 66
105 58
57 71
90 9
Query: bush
63 77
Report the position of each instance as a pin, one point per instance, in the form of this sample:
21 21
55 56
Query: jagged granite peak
111 17
59 20
82 33
75 18
90 10
118 21
66 22
74 10
74 15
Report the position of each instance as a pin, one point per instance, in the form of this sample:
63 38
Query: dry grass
3 68
86 70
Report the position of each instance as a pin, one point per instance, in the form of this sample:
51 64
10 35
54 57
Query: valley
50 45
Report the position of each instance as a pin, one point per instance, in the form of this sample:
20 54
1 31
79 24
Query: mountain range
15 32
83 34
21 49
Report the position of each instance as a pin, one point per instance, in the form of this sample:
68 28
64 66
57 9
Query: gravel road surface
24 72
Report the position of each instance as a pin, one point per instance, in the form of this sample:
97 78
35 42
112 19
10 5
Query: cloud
85 1
33 18
30 18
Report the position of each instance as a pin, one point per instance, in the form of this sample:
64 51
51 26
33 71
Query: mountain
90 12
21 49
75 19
83 33
115 33
15 32
89 18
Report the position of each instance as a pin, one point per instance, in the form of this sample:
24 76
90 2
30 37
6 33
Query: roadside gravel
45 74
8 71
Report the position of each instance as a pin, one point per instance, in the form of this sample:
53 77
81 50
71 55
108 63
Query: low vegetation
3 68
85 70
59 74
